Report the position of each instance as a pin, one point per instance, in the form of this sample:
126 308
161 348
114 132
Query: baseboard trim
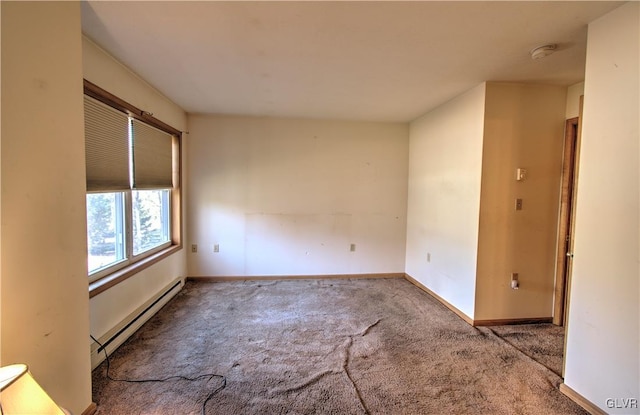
469 320
295 277
91 409
509 321
437 297
130 324
581 400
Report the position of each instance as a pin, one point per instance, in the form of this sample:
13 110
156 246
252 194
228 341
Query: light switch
518 204
521 174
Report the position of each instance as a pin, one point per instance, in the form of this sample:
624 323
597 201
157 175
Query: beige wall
573 100
602 359
0 192
464 238
110 308
445 165
523 128
289 196
45 316
245 194
102 69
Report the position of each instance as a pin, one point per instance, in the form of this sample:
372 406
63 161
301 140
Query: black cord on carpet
176 377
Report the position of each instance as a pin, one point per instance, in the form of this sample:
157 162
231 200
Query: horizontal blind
152 157
106 147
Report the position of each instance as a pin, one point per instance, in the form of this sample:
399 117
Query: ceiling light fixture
542 51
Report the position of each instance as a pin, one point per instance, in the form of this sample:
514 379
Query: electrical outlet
216 248
352 248
194 248
515 283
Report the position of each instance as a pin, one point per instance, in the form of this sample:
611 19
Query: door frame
573 133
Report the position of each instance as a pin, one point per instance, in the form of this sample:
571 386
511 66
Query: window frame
130 257
107 278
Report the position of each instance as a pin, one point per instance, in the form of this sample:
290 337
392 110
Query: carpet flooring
362 346
544 343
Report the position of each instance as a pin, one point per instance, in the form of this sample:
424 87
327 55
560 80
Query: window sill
120 275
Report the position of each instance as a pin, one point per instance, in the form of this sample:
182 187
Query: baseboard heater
142 313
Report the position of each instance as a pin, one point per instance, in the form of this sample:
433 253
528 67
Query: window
105 230
133 193
150 209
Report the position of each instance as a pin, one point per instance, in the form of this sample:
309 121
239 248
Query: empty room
314 207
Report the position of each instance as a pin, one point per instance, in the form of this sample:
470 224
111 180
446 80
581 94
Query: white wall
445 165
602 359
109 308
45 306
289 196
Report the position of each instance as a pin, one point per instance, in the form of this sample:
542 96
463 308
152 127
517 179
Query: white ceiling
378 61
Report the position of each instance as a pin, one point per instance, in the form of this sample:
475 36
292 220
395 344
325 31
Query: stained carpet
377 346
544 343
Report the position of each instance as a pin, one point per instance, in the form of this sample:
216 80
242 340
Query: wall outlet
194 248
515 283
216 248
352 248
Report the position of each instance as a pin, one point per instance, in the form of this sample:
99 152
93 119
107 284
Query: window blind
106 147
152 157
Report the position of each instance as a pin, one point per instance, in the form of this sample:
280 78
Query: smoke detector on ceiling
542 51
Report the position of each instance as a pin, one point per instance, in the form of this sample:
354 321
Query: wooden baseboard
509 321
471 321
581 400
91 409
381 275
295 277
437 297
